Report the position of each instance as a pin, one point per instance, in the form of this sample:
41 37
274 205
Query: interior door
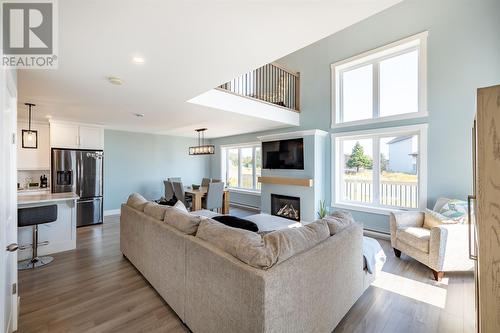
8 201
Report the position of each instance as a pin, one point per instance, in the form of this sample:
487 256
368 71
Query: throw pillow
155 210
137 201
182 221
236 222
338 220
455 210
180 206
433 219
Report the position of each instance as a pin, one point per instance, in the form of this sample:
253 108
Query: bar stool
34 216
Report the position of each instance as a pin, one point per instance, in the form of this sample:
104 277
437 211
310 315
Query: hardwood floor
94 289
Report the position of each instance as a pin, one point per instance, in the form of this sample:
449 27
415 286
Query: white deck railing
398 194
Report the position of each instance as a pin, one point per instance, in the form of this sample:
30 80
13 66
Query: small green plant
322 209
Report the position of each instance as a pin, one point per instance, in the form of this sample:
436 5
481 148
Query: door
89 173
64 136
8 202
91 137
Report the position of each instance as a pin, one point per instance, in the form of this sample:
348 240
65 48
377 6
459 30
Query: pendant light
202 148
30 137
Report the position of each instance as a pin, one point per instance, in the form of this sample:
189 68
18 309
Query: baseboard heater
376 234
240 205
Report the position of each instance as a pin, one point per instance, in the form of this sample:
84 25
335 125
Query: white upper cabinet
76 136
63 135
91 137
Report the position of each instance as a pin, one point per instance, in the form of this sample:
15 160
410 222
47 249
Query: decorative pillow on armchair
455 210
433 219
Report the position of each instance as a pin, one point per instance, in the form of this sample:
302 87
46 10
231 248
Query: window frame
375 207
374 57
225 166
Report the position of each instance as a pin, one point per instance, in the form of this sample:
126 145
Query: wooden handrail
271 83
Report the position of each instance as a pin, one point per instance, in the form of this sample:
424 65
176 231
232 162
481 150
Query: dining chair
214 196
174 179
180 194
169 190
205 182
216 180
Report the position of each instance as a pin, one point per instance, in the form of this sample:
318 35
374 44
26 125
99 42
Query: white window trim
389 50
225 166
420 130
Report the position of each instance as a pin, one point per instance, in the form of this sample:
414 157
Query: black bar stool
34 216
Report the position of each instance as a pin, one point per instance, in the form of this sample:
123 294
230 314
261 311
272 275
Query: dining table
199 193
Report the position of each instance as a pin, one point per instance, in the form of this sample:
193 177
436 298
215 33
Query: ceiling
189 47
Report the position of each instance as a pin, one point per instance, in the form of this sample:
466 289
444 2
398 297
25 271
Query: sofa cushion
433 219
285 243
262 251
245 245
236 222
137 201
155 210
338 220
185 222
415 237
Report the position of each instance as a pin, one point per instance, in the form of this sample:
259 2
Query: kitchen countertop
48 197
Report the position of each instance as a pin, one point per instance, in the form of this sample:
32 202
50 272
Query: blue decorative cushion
455 210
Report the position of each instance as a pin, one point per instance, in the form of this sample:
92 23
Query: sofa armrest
404 220
449 248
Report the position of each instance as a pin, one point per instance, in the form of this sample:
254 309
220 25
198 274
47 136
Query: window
241 166
380 170
384 84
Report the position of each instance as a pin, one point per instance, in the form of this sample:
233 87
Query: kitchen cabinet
91 137
76 136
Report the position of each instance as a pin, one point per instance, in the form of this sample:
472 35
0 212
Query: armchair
442 248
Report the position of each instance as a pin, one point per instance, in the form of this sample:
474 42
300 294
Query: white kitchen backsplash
31 176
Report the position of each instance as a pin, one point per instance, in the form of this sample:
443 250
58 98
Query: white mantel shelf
306 182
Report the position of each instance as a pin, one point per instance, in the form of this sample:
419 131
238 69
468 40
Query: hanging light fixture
30 137
202 148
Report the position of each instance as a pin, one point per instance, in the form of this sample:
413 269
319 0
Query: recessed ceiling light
115 80
139 115
138 60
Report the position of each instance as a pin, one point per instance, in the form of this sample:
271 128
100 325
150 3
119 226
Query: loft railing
270 83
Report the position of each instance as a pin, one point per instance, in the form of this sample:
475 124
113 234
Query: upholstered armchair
442 248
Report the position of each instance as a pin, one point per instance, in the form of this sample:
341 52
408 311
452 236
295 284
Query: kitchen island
61 234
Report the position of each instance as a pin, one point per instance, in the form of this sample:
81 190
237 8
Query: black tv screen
283 154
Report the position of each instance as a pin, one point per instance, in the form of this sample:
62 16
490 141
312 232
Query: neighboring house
403 153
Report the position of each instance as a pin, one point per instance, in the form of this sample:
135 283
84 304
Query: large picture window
384 84
381 169
241 166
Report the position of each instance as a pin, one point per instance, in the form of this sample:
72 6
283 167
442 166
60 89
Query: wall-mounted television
283 154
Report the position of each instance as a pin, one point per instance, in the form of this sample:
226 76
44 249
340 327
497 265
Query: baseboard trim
238 205
376 234
111 212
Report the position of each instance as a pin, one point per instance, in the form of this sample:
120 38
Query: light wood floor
94 289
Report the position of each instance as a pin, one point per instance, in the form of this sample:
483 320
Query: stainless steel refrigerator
81 172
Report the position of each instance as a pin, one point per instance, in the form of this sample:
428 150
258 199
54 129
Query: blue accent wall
138 162
463 55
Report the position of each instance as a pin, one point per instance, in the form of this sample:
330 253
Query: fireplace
285 206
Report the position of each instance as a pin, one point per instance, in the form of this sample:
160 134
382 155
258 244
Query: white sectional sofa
212 290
